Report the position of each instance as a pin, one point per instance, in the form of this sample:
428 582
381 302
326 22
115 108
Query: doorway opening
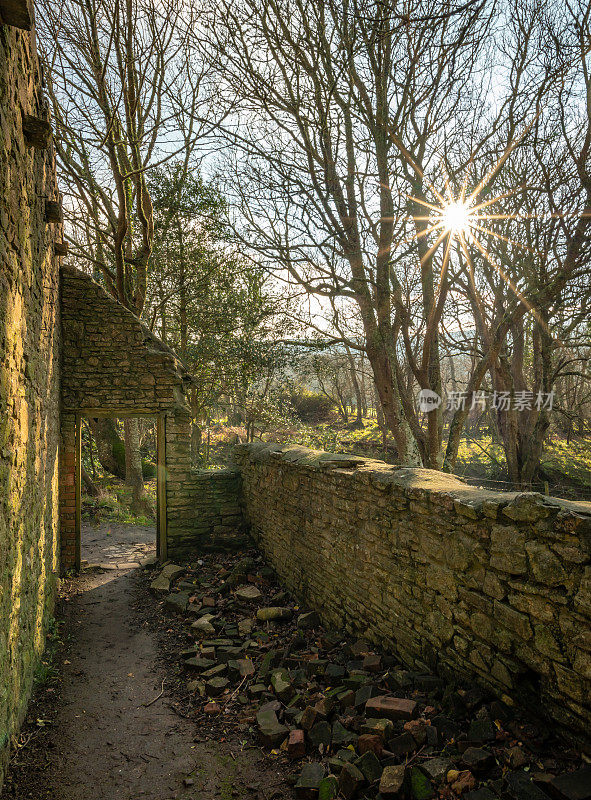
119 523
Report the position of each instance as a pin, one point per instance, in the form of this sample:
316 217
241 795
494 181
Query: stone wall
29 374
493 585
110 360
203 506
113 364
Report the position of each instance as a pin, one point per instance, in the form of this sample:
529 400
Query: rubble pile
348 721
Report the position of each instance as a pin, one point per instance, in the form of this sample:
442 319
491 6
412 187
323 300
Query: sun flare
455 218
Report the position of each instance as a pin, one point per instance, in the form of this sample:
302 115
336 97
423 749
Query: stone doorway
160 527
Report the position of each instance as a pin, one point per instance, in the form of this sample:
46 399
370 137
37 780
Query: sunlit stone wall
492 585
29 380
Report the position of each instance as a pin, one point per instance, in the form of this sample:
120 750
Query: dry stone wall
110 360
112 363
204 506
493 585
29 377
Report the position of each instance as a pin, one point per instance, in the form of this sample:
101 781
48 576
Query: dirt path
110 737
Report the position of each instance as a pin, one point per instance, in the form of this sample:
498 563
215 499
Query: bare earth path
110 737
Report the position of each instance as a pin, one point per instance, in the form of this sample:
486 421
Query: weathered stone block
508 549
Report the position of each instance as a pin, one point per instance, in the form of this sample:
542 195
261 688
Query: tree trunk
196 441
109 446
91 489
133 465
357 389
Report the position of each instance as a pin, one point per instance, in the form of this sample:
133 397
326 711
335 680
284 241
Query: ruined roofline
152 341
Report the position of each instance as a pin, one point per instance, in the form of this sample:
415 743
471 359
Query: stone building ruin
496 585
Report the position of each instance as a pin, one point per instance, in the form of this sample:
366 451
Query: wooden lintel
118 413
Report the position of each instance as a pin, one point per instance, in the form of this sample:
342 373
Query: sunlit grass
114 502
569 459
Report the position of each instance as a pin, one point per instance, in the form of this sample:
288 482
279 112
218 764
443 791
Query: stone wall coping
469 501
221 472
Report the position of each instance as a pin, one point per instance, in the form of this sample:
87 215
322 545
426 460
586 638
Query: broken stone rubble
371 727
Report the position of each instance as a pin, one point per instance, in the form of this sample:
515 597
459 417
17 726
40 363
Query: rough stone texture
29 383
112 362
494 585
203 506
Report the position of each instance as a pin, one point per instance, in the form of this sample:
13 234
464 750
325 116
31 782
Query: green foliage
148 467
209 304
310 407
114 502
569 460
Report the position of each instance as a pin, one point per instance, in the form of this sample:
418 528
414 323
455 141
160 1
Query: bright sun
455 217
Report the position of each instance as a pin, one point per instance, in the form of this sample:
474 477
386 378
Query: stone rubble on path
361 723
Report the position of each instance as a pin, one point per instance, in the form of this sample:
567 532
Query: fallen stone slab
200 664
215 672
464 781
370 766
248 593
342 736
161 584
308 784
177 601
296 744
380 727
272 732
482 728
217 686
309 718
477 759
245 667
402 745
309 620
245 627
329 788
392 781
281 683
351 780
333 671
572 785
321 733
394 708
274 614
203 626
369 742
420 786
436 769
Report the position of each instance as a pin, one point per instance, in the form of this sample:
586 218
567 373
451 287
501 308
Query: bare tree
346 115
527 276
128 92
361 129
